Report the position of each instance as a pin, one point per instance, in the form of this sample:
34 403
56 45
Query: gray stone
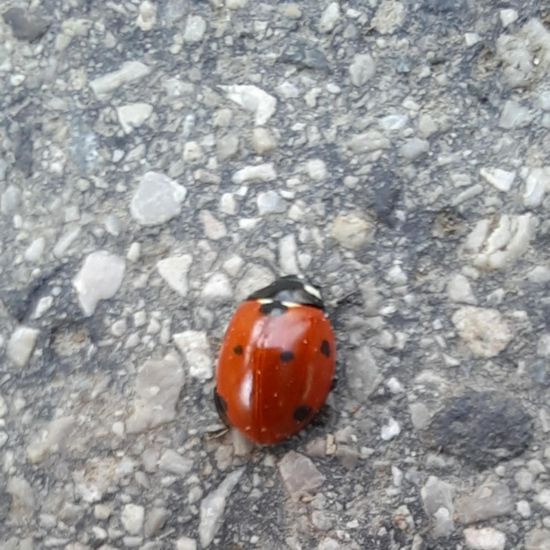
132 518
538 539
195 29
21 345
99 279
485 331
147 16
253 99
300 476
414 148
389 16
437 499
254 278
482 428
486 538
186 543
362 69
157 389
459 290
10 200
25 25
130 71
507 17
259 172
157 199
217 289
352 231
227 146
270 202
213 228
288 255
23 501
488 501
174 270
329 17
514 115
174 463
363 374
371 140
213 507
498 244
537 184
263 141
133 115
50 440
195 348
498 178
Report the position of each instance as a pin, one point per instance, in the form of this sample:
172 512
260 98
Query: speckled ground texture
161 160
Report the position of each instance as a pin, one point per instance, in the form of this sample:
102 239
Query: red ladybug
277 361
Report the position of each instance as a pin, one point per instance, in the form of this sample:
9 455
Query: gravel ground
160 160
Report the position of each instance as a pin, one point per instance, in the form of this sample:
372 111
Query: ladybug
277 362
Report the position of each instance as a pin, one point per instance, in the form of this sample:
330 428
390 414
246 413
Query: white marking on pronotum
265 300
290 304
313 291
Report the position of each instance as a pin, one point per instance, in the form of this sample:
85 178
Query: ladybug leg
334 383
221 407
325 417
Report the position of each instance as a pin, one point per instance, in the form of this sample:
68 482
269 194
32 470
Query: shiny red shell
275 368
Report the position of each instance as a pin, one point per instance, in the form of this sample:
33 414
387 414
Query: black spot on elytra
325 348
221 406
301 413
238 350
273 308
287 356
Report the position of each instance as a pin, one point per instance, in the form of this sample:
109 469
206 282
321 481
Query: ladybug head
293 289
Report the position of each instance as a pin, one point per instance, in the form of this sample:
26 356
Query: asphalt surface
162 160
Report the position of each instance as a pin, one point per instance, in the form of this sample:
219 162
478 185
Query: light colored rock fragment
128 72
485 538
316 169
50 440
508 16
362 69
254 277
174 463
352 231
99 279
363 374
252 99
263 141
329 17
174 270
157 199
213 228
537 183
195 28
538 539
497 245
493 499
147 16
133 115
514 115
501 179
485 331
21 345
23 501
389 16
213 507
371 140
300 475
132 518
157 389
259 172
459 290
288 251
217 289
195 348
437 499
270 202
